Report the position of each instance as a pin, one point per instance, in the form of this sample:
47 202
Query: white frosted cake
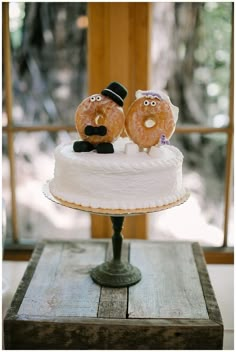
126 179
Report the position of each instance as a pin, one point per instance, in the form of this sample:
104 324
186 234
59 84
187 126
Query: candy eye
153 103
98 98
93 98
146 103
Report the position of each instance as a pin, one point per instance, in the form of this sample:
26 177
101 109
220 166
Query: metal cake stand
114 273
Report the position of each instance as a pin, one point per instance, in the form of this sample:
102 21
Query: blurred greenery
49 66
17 15
212 57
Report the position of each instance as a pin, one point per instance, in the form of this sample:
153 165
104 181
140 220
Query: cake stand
114 273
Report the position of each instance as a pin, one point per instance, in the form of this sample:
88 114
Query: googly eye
98 98
93 98
153 103
146 103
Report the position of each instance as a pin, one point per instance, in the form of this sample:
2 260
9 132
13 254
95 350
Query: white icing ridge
118 180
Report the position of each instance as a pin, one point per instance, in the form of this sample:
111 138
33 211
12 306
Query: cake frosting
126 179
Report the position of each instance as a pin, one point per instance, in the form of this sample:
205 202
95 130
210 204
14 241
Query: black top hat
116 92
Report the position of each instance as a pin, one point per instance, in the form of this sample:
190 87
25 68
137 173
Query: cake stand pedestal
114 273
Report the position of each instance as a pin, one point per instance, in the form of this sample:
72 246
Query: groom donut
100 119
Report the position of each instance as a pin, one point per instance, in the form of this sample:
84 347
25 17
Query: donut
149 117
99 111
100 117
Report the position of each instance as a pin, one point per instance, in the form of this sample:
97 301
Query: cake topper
100 119
149 117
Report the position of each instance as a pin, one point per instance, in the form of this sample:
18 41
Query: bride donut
149 117
99 118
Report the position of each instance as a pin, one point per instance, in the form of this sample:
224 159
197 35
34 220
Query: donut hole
99 120
149 122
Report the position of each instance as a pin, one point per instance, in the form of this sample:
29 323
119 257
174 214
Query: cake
126 176
126 179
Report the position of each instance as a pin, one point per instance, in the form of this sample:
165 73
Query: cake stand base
116 274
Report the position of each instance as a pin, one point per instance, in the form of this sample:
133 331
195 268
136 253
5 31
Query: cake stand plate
114 273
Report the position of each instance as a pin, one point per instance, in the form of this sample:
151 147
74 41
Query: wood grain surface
61 285
176 295
113 301
58 307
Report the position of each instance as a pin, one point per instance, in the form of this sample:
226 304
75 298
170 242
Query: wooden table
58 306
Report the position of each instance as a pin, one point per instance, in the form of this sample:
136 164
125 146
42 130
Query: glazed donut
150 116
99 111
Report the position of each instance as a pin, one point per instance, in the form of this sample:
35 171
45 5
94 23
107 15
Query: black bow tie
91 130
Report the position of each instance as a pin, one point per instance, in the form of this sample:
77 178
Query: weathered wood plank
41 281
113 335
23 286
113 301
61 285
211 303
170 286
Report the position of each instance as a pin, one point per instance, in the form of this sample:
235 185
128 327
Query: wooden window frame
102 44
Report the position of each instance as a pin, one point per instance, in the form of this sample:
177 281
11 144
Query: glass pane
49 53
6 192
38 217
201 217
190 58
